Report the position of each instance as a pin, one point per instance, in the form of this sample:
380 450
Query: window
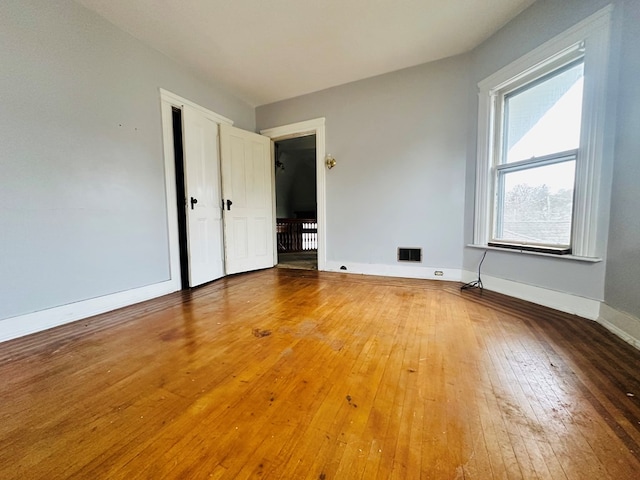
537 121
540 146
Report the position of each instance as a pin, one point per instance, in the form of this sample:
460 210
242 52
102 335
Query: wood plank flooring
292 374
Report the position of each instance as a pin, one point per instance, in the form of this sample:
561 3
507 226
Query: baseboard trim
405 271
565 302
622 324
22 325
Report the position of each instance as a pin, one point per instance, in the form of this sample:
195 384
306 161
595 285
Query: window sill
573 258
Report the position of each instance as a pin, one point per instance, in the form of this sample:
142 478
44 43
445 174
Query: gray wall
82 201
398 141
541 22
623 265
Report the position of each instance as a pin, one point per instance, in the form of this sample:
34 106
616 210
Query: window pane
535 205
544 117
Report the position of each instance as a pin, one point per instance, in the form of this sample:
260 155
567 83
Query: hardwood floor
296 374
307 260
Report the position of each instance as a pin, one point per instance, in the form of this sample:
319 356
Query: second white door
247 191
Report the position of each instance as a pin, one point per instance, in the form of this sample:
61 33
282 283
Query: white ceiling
270 50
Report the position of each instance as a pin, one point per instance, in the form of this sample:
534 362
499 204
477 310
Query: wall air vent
409 254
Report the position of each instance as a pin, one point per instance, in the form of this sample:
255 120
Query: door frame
315 127
167 101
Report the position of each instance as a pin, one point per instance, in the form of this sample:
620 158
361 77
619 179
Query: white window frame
592 35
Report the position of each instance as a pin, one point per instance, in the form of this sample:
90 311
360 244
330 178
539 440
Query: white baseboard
565 302
22 325
625 326
405 271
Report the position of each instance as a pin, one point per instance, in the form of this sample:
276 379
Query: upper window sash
546 71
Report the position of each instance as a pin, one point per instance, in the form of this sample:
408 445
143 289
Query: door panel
240 235
247 182
261 236
202 179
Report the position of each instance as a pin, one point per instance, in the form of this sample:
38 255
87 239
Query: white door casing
247 190
203 207
310 127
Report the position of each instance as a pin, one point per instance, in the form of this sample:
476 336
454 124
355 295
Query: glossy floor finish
295 374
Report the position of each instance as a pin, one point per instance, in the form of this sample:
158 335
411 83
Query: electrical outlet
438 273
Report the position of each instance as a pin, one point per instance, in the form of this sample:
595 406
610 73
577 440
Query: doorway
296 202
178 151
314 128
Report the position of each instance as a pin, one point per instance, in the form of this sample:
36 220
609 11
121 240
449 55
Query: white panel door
203 202
247 189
